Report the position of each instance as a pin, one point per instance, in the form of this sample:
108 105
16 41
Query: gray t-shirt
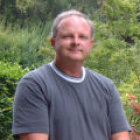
48 101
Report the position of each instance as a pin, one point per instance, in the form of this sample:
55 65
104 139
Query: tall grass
29 46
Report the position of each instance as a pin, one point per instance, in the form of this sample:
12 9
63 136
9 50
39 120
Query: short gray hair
68 13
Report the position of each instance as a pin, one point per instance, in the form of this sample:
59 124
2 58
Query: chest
74 102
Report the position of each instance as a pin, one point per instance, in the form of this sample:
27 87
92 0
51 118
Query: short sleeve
30 110
117 116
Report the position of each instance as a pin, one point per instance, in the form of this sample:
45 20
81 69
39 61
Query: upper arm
118 120
121 136
30 112
34 136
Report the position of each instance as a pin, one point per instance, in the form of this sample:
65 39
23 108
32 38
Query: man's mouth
75 50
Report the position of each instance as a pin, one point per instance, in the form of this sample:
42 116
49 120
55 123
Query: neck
71 69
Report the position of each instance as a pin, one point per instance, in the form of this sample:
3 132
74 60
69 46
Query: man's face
73 39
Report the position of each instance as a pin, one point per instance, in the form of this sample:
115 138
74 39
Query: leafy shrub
130 94
10 73
116 50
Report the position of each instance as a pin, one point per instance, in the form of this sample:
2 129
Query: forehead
73 20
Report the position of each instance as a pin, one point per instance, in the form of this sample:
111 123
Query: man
63 100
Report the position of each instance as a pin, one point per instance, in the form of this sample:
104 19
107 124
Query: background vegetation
24 45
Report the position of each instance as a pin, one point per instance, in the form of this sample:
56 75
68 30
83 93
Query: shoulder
34 83
37 79
99 78
36 74
101 81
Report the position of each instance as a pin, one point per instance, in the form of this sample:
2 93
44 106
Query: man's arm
121 136
34 136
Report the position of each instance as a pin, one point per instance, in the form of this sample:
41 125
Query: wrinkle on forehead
74 18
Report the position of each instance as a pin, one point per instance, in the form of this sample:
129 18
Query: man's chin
76 59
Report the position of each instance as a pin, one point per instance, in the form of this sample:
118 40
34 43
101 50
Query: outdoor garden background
24 45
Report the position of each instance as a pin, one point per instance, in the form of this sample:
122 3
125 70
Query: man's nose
76 40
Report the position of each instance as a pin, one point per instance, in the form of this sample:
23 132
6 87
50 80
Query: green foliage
10 73
25 46
130 94
34 11
47 52
116 50
122 17
24 5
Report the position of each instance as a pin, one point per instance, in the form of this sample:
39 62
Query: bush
116 50
10 73
130 94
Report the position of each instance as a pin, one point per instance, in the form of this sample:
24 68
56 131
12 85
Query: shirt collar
65 76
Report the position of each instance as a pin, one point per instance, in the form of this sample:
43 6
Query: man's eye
66 36
83 37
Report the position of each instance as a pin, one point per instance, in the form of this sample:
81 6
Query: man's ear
92 42
52 40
